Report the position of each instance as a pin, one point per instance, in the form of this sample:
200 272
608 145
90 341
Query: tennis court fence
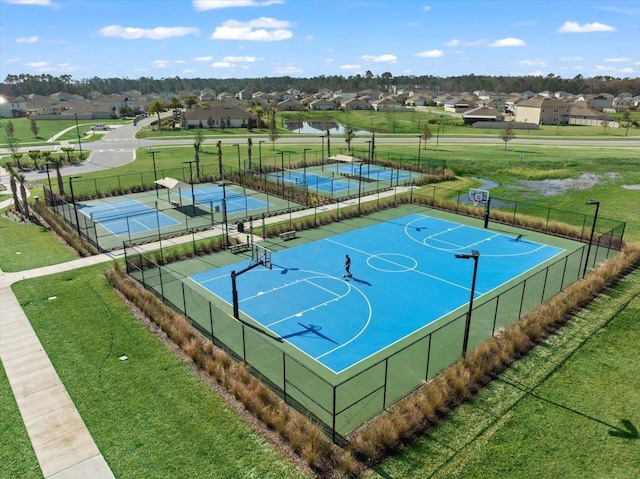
342 405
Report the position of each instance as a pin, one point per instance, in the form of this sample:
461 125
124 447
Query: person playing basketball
347 267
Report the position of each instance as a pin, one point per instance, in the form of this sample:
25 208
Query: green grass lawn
17 458
25 246
570 409
47 129
150 415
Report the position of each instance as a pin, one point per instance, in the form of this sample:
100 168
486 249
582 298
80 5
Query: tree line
46 84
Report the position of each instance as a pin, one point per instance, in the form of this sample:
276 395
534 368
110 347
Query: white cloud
571 59
308 37
617 60
429 54
575 27
350 67
157 33
240 59
426 8
13 60
203 59
508 42
32 39
39 65
288 69
537 63
222 64
204 5
161 63
455 42
386 58
38 3
263 29
612 69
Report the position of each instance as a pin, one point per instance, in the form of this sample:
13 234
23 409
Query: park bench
239 248
287 235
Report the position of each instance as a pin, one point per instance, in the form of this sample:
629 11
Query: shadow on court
312 328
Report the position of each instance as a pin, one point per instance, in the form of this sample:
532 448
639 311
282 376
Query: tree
157 107
626 120
34 155
16 155
14 188
23 193
426 135
348 136
197 144
507 133
68 150
219 147
12 141
190 101
57 164
273 130
34 128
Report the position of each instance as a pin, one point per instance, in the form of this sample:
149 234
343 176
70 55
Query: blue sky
307 38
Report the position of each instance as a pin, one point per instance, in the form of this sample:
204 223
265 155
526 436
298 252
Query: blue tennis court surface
405 276
212 197
327 184
127 217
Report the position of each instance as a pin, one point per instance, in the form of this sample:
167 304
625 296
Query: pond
319 127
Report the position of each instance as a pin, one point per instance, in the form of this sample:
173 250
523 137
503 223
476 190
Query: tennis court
126 217
405 277
212 196
327 184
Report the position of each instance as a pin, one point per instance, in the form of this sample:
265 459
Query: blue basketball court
405 277
126 217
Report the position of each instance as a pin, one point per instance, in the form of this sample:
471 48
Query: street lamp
225 223
593 229
475 255
155 174
304 166
322 157
282 169
368 151
73 200
359 187
419 148
78 132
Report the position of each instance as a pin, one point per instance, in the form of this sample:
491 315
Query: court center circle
392 262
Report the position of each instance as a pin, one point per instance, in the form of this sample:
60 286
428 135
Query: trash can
240 227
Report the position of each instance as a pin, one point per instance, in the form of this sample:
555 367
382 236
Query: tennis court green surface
405 277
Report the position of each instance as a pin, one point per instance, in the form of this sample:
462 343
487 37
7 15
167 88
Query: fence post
333 423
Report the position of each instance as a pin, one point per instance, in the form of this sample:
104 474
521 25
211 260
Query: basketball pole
486 212
234 289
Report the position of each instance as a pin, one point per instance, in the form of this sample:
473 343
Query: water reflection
319 127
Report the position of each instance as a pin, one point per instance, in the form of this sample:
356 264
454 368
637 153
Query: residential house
12 107
388 104
217 114
482 114
225 96
582 115
244 95
207 95
289 105
461 104
355 104
543 111
322 104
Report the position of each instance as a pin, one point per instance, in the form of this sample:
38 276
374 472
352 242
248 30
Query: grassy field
569 409
47 129
149 415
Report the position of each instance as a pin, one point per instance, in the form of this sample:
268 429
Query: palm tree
34 157
23 192
14 188
348 136
190 101
57 164
16 156
68 150
157 107
197 144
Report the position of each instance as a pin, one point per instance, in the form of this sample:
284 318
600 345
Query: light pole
155 173
78 132
419 148
237 145
593 229
73 200
193 196
475 255
225 223
282 169
359 187
322 157
260 155
304 166
369 151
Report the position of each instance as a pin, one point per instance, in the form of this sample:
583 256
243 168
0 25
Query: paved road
118 146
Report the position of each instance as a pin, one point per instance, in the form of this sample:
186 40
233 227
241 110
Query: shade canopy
172 183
